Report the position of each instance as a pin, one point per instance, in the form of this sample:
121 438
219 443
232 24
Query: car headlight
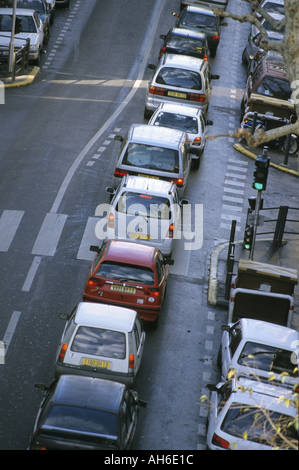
33 48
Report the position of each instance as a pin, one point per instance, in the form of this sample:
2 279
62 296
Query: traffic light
248 237
260 174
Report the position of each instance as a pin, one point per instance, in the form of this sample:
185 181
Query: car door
138 339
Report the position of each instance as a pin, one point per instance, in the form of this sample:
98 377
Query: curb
241 149
27 81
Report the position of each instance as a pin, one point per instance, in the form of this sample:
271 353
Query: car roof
19 11
269 333
89 392
105 316
188 33
182 61
159 136
180 109
130 253
150 186
201 9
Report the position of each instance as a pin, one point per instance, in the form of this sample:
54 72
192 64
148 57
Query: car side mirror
94 248
151 67
41 387
224 24
162 36
175 14
215 77
225 328
209 123
64 316
119 138
212 388
184 202
168 261
110 190
142 403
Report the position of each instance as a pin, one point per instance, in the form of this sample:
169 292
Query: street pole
255 223
12 41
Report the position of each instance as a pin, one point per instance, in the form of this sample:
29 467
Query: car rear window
36 5
193 46
180 78
275 87
99 342
267 358
198 20
187 124
75 418
136 204
26 23
152 158
126 272
260 425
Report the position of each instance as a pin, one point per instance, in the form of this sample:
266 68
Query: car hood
20 39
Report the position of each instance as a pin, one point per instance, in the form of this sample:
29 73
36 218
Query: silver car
179 79
187 119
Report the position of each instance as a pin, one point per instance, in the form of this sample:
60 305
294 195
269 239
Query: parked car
268 80
202 18
272 57
130 275
51 7
268 26
145 210
209 3
30 27
156 152
185 42
244 415
256 348
63 3
179 79
187 119
84 413
101 341
41 8
272 6
253 47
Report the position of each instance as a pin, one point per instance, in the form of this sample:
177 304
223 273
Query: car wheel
196 164
37 60
213 52
147 113
244 58
219 358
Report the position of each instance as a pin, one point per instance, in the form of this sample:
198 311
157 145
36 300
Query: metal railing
21 60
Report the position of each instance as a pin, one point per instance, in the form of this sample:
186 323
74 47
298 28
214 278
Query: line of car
90 403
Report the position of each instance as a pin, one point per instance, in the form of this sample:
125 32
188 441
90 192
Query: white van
101 341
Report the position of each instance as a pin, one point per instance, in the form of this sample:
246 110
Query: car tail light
197 141
118 172
111 220
215 37
179 182
154 292
219 442
197 97
163 50
62 353
154 90
93 282
170 231
131 361
205 57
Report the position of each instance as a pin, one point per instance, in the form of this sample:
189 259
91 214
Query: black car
185 42
84 413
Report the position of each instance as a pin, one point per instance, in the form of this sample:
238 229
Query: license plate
4 52
139 236
177 95
149 176
94 363
127 290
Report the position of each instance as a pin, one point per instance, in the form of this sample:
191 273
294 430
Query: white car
31 28
101 341
242 415
187 119
258 348
145 210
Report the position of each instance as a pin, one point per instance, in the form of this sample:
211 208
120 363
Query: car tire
147 113
213 52
196 164
36 62
219 358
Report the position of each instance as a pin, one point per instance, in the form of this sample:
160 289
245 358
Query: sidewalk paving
22 80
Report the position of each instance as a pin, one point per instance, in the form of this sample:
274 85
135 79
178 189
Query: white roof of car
105 316
269 333
159 136
182 61
148 185
180 109
19 12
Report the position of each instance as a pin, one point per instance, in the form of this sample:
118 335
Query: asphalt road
56 158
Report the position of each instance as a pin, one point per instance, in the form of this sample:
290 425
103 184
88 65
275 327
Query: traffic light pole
255 224
11 56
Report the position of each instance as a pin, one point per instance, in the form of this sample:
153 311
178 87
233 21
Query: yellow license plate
139 236
177 95
127 290
149 176
94 363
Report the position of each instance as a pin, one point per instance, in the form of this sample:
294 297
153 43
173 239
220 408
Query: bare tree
288 47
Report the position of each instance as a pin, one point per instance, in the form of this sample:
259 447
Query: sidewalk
22 80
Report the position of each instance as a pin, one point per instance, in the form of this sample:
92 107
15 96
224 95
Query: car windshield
180 78
177 121
26 23
36 5
260 425
269 27
81 420
126 272
99 342
272 7
198 20
152 158
187 45
267 358
275 87
153 207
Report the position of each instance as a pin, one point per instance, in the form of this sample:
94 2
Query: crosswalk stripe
9 223
89 238
49 235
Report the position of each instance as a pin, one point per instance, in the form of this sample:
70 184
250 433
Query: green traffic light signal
260 174
258 186
248 237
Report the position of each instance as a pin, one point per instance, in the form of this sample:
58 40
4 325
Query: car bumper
153 101
123 378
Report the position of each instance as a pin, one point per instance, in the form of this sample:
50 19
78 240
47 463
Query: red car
129 275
